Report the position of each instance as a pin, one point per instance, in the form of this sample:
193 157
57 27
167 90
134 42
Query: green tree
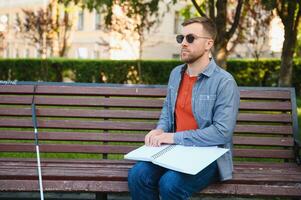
226 22
144 15
46 29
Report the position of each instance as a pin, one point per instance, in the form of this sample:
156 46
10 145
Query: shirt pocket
205 105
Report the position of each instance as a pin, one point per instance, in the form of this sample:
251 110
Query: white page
190 160
144 153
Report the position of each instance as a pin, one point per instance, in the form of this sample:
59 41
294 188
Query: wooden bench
85 129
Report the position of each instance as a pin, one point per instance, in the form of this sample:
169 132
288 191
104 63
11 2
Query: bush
247 72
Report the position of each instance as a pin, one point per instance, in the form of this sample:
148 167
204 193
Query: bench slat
19 89
131 103
250 117
79 148
54 112
263 153
263 190
66 148
264 94
128 114
128 91
122 137
267 106
102 90
263 141
118 125
78 124
19 100
114 173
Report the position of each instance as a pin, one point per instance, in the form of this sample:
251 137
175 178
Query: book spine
163 151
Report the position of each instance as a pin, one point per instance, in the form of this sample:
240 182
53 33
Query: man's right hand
152 133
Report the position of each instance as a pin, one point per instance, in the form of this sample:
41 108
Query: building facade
90 39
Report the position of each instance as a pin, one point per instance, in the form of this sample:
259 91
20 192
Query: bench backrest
106 121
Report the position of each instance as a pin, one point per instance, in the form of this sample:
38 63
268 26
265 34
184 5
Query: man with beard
200 109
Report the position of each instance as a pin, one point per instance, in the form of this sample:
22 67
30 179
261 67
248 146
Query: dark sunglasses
189 38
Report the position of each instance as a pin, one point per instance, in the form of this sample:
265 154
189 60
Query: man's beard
191 58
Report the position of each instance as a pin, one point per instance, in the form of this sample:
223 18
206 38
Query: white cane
34 122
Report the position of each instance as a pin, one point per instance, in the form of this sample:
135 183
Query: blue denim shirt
215 103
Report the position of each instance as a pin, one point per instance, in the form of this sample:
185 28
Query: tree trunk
220 54
220 49
286 67
290 16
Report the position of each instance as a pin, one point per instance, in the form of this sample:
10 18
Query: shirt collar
208 70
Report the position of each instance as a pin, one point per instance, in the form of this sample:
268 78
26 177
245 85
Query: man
200 109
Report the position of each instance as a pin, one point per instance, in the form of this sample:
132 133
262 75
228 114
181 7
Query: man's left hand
163 138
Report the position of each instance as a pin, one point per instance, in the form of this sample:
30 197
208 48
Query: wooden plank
67 173
251 117
115 173
127 137
79 124
121 125
269 129
122 186
100 101
76 148
263 190
83 113
63 161
15 111
63 186
268 165
130 114
266 106
263 153
73 136
264 141
264 94
102 90
66 148
16 89
129 102
18 100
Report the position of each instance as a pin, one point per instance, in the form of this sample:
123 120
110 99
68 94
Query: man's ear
209 44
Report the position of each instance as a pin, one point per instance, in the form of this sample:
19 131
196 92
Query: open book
186 159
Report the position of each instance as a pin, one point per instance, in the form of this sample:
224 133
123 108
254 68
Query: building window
6 53
82 52
97 20
17 55
27 53
96 54
178 22
5 19
80 21
37 53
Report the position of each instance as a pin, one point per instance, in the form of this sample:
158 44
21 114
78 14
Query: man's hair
207 23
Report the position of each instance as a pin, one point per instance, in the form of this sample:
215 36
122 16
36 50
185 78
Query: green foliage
247 72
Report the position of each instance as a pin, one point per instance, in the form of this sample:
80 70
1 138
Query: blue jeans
148 181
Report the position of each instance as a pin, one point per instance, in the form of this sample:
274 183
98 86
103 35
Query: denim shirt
215 103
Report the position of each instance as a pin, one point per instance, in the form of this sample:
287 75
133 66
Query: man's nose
184 43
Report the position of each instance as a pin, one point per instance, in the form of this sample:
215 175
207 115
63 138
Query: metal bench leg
101 196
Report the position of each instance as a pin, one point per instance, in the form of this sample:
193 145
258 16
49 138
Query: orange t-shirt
184 116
